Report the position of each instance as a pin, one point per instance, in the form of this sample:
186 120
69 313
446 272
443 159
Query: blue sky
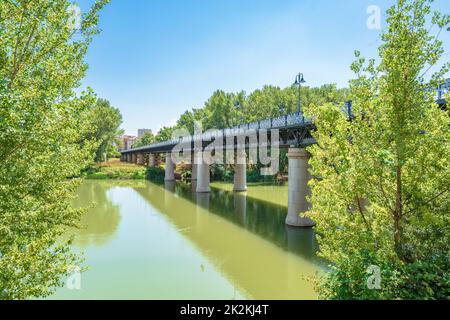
156 59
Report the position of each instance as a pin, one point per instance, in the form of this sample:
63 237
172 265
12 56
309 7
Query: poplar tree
42 125
380 193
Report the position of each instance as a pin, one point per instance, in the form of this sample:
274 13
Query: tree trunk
398 213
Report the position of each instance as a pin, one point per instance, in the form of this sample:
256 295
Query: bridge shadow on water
244 238
265 219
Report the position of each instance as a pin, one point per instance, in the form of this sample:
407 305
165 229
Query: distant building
128 142
141 132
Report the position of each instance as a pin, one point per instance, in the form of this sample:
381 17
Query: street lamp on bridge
299 80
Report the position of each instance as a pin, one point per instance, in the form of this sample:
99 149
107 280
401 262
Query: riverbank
114 169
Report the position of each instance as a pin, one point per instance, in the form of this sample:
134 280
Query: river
145 241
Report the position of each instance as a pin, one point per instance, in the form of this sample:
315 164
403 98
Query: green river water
145 241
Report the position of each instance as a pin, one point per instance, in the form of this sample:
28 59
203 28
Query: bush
186 175
114 169
426 280
254 175
420 280
139 175
156 174
97 176
221 173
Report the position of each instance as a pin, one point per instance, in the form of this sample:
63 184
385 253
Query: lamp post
299 80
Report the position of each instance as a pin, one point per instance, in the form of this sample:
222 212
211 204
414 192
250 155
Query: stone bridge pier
298 188
203 174
240 172
194 167
170 168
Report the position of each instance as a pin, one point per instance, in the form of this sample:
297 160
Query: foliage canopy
380 193
42 122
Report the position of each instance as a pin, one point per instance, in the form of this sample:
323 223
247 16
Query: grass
114 169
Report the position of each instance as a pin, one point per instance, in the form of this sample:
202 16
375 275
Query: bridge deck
293 128
294 121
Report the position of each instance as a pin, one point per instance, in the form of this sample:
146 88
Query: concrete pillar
128 157
194 167
298 188
240 172
170 168
203 175
151 160
134 158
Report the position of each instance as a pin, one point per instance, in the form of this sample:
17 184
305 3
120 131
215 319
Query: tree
165 134
223 110
328 93
105 128
380 193
42 121
147 139
188 119
269 102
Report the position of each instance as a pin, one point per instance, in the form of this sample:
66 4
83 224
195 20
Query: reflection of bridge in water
262 218
246 239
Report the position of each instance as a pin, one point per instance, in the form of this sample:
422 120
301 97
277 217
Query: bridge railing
285 121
